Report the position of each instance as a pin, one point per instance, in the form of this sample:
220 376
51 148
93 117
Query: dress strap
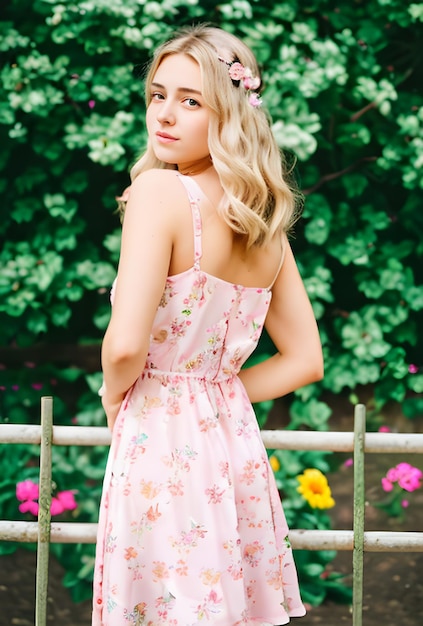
194 195
283 252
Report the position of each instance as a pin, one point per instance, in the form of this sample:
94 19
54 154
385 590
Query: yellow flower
315 489
274 463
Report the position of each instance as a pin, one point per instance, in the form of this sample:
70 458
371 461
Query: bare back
224 253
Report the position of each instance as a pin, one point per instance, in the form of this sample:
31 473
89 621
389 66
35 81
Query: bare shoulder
159 186
154 198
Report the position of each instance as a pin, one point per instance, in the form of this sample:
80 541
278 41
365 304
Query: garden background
343 85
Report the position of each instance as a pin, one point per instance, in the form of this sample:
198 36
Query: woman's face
177 116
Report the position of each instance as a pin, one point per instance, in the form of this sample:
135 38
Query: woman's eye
157 96
191 102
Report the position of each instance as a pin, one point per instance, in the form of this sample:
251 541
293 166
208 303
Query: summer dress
191 528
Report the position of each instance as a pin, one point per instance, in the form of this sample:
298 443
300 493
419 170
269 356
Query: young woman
191 526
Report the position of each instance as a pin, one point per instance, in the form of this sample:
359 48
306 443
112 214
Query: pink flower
27 490
404 504
37 386
252 82
348 462
56 507
67 498
408 477
91 104
384 429
387 485
254 99
30 506
413 369
409 483
64 501
392 475
237 71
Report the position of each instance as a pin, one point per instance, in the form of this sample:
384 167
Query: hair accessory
243 75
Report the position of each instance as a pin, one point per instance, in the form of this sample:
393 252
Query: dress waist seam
150 372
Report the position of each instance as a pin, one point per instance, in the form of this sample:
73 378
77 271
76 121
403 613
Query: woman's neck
196 167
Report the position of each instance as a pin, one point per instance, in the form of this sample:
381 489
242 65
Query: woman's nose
166 114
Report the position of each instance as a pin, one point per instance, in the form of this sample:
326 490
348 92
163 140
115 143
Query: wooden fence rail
359 442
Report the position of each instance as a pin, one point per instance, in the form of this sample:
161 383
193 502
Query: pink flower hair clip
243 75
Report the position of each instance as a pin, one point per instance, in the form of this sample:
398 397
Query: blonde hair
258 201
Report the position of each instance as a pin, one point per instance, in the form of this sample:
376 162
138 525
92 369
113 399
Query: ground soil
393 582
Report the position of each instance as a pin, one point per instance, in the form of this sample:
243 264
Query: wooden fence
359 442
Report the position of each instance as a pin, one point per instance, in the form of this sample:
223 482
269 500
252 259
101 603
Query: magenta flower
386 484
413 369
410 482
67 498
405 475
56 507
91 104
384 429
27 490
402 477
29 506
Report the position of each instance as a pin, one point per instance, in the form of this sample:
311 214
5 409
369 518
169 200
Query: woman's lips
165 138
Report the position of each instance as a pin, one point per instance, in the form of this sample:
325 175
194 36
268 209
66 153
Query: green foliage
343 87
78 469
317 580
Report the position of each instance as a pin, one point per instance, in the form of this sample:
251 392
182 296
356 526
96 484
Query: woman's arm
292 327
147 240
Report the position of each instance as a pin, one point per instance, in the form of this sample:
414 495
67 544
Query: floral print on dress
211 605
188 539
191 527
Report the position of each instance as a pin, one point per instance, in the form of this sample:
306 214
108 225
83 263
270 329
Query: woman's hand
111 407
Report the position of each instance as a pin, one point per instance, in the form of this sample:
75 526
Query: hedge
343 87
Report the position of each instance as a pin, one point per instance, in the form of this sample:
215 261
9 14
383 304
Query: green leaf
413 407
312 413
415 383
94 275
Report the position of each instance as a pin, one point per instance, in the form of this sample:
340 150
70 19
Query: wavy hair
258 201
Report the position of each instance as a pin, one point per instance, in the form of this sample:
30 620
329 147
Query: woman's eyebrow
180 89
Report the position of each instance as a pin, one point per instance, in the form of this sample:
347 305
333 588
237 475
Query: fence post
44 516
358 517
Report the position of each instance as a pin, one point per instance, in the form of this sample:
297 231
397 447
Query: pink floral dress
191 527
